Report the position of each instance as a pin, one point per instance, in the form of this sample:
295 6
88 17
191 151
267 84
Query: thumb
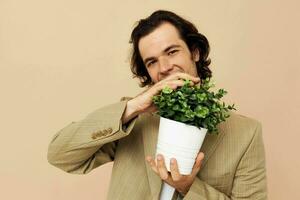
198 163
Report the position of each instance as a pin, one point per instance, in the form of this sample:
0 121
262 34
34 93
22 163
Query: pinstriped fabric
234 165
129 168
236 170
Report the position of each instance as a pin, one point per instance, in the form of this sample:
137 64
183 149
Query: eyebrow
165 50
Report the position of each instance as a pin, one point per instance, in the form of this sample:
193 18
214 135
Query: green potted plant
186 115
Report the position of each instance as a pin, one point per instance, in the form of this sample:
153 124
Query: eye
172 52
150 63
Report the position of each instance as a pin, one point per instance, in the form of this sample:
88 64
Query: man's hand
181 183
143 101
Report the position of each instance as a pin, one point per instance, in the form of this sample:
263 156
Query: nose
165 65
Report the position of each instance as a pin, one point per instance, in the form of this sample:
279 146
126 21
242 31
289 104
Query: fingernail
172 161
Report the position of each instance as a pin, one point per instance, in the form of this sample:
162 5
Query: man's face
164 53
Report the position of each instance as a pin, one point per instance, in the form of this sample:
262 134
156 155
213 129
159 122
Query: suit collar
150 135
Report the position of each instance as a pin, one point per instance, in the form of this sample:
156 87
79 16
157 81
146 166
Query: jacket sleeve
84 145
250 177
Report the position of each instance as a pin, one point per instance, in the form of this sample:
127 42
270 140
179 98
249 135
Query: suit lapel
150 135
150 124
210 143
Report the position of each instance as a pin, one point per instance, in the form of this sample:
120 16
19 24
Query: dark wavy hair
187 32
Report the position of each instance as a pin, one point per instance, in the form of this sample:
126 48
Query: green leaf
194 105
167 90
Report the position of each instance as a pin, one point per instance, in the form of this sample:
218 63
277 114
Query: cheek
182 58
186 64
153 74
182 61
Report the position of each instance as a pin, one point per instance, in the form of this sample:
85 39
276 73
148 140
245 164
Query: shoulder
240 120
241 127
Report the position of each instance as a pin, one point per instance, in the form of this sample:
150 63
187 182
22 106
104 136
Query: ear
196 55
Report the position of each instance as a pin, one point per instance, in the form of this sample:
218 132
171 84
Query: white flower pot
182 142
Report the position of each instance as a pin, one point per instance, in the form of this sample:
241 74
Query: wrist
183 191
181 195
130 112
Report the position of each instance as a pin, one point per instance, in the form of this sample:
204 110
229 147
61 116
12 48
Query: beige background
61 59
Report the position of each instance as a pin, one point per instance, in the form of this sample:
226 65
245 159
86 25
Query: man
166 50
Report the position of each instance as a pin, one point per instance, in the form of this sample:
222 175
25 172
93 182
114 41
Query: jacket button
94 136
98 134
105 132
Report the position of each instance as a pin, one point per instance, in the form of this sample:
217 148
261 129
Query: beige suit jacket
233 167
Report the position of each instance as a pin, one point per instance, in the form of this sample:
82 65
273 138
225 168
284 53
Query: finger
163 172
181 75
197 165
173 84
152 164
176 176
